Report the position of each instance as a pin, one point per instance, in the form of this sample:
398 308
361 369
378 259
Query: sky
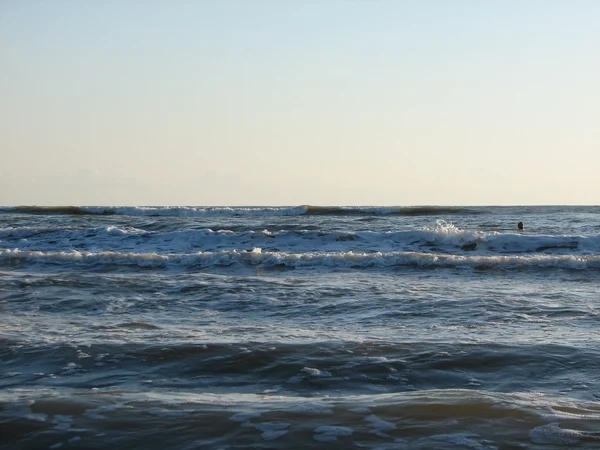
321 102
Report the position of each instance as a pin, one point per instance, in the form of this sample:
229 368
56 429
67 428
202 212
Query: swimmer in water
521 226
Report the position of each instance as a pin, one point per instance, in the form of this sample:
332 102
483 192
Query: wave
390 210
257 258
443 237
292 362
177 211
220 211
47 210
413 395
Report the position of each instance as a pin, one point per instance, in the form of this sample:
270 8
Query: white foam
445 233
378 426
316 372
311 408
71 368
361 410
326 433
563 416
161 412
38 417
272 431
98 413
553 434
467 440
245 416
62 422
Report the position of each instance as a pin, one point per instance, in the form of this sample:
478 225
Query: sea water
295 327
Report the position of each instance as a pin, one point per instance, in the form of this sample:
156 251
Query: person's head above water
521 226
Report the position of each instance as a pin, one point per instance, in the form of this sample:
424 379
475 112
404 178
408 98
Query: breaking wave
443 237
258 258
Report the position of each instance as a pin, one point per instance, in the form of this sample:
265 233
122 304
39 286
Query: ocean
300 327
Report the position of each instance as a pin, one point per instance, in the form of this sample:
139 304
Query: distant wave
389 210
220 211
178 211
258 258
47 210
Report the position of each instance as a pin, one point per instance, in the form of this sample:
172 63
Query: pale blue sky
299 102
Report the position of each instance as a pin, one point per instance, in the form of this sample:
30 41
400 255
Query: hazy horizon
407 103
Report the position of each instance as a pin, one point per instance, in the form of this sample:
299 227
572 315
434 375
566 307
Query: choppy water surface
352 327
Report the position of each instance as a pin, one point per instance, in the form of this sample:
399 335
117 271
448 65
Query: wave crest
256 257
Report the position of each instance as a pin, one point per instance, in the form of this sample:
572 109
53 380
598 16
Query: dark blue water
299 327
